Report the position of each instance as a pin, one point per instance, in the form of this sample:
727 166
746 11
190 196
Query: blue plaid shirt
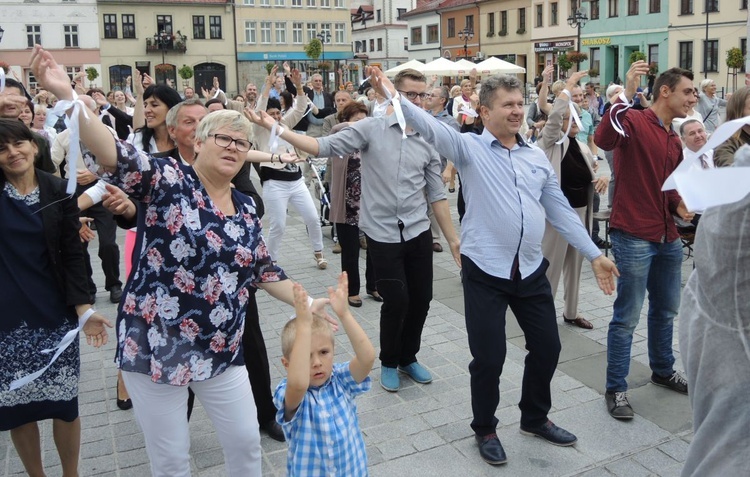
324 437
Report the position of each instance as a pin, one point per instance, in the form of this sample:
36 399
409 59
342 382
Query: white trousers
161 413
277 195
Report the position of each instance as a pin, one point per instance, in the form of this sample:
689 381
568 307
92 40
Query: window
613 6
711 55
632 7
265 32
686 7
325 3
280 28
312 31
416 36
164 23
110 26
33 35
451 28
249 2
432 34
72 71
380 44
378 17
250 28
372 44
338 3
553 13
654 6
504 21
594 7
297 33
265 3
214 25
743 4
743 48
490 23
30 80
686 55
539 16
279 3
310 3
325 29
470 22
71 36
521 19
596 59
296 3
653 54
199 27
400 12
713 5
128 25
340 35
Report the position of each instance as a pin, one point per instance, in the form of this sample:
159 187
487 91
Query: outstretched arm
300 141
364 352
298 367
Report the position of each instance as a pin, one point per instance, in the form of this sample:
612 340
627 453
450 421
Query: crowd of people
175 172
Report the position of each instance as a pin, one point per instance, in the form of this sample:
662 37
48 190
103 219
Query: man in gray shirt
400 176
510 189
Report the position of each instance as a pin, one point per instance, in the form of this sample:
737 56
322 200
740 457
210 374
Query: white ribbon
573 117
58 349
72 122
615 110
276 132
2 79
471 112
396 102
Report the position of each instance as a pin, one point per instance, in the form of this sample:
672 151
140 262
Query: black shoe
92 298
491 449
551 433
602 244
123 404
675 382
618 405
274 431
375 295
115 293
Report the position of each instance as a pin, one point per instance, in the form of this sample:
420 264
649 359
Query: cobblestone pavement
423 430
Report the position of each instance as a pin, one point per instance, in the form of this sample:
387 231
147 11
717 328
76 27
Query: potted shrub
637 56
577 57
5 67
564 63
314 49
185 73
593 73
735 60
653 68
91 74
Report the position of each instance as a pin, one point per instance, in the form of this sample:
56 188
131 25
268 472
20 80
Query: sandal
580 322
322 262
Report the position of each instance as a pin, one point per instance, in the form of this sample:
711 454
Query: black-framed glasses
413 95
222 140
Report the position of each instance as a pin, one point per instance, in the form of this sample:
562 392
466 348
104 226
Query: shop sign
596 41
540 47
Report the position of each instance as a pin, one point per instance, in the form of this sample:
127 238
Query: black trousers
109 252
403 274
595 224
256 361
349 241
486 299
460 201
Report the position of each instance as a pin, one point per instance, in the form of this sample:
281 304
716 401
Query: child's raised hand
339 297
301 308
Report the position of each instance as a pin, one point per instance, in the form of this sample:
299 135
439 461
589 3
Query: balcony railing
175 44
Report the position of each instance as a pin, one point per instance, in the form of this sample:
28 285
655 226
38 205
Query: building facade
460 29
380 32
274 31
506 27
68 29
727 29
551 35
158 37
424 31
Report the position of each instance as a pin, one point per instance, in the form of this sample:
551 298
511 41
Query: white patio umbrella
440 67
414 64
464 67
494 65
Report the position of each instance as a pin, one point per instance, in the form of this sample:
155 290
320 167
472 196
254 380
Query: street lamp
578 20
466 34
324 37
162 41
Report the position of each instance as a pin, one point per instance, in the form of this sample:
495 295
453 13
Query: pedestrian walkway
423 430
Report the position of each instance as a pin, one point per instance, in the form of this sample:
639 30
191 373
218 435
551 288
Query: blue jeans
643 266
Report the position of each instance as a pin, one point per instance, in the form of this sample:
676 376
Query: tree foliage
314 49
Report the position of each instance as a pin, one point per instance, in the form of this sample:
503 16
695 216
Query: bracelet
271 158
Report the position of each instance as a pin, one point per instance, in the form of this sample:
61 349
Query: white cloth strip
72 122
58 349
310 301
273 141
573 117
471 112
2 79
395 101
97 191
616 109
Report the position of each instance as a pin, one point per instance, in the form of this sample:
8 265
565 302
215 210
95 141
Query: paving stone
654 459
676 449
395 448
627 468
668 409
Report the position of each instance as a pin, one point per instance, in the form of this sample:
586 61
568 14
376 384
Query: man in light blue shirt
510 189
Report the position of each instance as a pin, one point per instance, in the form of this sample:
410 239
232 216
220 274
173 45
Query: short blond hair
230 119
289 333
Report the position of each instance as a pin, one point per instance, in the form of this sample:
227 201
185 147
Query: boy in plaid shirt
316 401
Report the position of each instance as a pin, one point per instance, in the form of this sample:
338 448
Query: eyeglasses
222 140
413 95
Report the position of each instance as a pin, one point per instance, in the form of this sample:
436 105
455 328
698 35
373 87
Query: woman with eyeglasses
181 317
709 104
43 298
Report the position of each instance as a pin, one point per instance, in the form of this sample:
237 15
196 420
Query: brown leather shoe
580 322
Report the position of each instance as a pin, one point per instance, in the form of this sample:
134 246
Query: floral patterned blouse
183 312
